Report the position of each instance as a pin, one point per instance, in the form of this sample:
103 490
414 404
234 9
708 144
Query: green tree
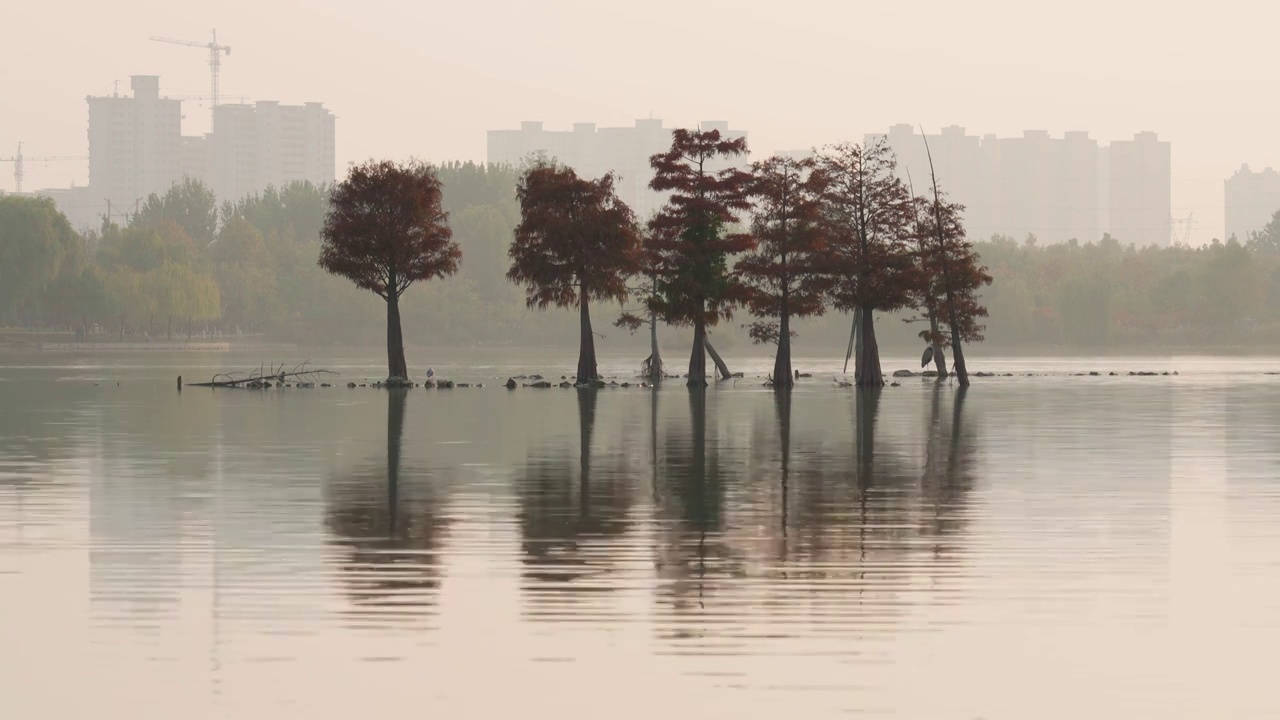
1267 240
1231 288
126 298
188 203
35 239
146 247
243 269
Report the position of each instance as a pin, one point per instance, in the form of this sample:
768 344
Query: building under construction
136 147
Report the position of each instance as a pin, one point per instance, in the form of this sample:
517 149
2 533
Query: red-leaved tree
690 243
783 273
867 220
576 242
384 231
952 275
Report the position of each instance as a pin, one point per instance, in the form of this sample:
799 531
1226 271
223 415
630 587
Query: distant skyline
429 80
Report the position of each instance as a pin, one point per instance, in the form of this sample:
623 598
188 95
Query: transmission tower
1185 225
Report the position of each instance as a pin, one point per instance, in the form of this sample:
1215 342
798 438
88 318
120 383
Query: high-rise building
196 158
1140 199
1054 188
593 151
136 148
134 143
1252 198
269 144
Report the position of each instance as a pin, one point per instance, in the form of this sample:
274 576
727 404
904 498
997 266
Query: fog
429 79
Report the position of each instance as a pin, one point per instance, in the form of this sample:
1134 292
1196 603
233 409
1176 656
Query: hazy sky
428 78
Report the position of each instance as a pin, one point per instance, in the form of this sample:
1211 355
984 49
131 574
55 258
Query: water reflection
948 469
782 408
694 560
830 551
389 523
569 520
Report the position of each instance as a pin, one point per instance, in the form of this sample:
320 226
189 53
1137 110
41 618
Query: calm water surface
1037 547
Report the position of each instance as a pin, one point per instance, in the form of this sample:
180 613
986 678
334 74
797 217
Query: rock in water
903 373
511 383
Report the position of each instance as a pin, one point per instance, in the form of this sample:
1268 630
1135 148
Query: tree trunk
855 341
586 344
866 368
396 366
719 361
782 363
957 356
655 358
939 360
698 359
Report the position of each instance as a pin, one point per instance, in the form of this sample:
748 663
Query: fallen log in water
267 376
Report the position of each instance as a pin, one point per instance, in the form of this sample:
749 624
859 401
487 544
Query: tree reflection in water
390 531
569 525
694 562
810 536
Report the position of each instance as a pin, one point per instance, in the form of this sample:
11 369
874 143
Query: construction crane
215 62
19 169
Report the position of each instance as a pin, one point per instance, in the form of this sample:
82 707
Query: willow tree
690 242
242 264
35 240
867 221
576 242
952 275
384 231
783 272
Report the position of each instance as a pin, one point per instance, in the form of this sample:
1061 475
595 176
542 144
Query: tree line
186 262
1108 295
840 230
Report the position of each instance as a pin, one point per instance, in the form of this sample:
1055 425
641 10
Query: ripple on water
919 553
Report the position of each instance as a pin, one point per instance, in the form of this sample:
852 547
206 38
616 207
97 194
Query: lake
1034 547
